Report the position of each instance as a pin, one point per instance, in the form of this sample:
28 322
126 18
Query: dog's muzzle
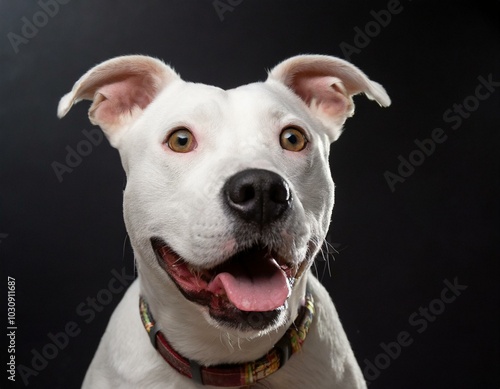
257 279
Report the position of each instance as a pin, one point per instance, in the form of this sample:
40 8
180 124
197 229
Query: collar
230 375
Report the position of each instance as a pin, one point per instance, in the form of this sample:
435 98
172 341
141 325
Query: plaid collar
228 375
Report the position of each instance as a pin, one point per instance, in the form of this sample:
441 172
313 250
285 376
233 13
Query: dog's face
232 192
229 194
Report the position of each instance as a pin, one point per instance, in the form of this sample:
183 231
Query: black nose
257 195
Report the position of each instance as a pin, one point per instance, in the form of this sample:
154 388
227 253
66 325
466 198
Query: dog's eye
293 139
181 141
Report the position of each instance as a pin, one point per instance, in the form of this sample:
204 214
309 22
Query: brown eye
181 141
293 139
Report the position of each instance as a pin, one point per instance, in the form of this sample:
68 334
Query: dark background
62 240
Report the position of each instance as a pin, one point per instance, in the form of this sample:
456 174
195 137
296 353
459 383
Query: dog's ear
326 84
120 89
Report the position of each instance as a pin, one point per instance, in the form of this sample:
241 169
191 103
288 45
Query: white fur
176 196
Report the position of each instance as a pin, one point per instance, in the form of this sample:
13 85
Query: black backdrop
418 263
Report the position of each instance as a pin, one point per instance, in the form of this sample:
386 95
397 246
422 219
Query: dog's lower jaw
248 324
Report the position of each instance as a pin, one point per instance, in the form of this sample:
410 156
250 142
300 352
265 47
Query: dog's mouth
253 280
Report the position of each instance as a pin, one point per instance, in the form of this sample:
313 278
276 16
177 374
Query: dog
227 203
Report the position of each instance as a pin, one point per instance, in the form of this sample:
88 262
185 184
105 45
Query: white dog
228 201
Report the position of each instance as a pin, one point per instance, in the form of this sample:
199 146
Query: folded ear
120 89
326 85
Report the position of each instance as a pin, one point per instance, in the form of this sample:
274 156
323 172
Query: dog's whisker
329 268
124 248
229 341
124 245
325 254
220 339
226 340
315 269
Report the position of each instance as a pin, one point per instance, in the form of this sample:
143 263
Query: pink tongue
253 287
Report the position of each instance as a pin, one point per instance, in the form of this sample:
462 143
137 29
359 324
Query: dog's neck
233 375
187 329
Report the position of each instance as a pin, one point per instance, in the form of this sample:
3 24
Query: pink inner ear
328 94
114 100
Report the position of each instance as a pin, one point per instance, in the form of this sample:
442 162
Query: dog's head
229 193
